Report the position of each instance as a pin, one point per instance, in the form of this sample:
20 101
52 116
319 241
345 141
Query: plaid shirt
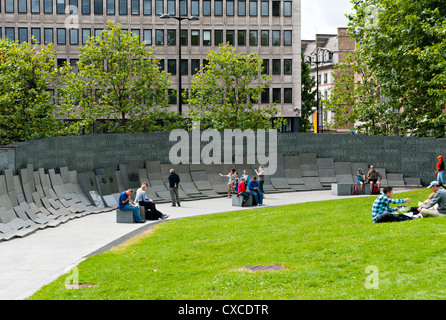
381 205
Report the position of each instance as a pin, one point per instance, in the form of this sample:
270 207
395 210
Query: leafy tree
225 90
27 72
401 51
118 78
308 96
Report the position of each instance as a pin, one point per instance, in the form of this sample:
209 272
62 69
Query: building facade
323 54
270 28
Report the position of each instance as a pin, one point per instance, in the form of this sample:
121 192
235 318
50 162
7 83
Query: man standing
124 204
439 198
381 211
174 181
374 177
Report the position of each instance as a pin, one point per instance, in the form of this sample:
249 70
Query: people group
245 186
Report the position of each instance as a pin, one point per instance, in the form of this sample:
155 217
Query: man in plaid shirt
381 211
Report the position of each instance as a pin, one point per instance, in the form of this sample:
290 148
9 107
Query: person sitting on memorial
439 198
253 187
125 205
148 204
374 177
381 211
361 179
242 190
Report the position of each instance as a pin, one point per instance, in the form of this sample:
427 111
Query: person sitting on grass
381 211
253 187
439 198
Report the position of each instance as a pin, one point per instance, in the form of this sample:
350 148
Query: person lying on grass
381 211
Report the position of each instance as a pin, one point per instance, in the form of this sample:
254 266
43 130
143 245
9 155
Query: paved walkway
27 264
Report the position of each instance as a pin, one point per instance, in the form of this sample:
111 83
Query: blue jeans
440 177
135 210
258 196
245 195
261 186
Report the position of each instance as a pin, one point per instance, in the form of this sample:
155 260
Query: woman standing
261 179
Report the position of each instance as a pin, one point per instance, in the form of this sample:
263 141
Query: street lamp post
168 16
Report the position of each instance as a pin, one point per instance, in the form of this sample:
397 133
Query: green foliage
26 73
117 79
308 96
401 53
225 90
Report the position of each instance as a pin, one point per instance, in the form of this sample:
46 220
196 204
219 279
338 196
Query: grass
326 247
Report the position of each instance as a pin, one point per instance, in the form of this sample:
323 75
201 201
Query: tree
308 96
401 51
27 72
118 80
225 90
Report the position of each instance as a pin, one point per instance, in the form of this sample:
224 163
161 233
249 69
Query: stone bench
126 216
345 189
237 201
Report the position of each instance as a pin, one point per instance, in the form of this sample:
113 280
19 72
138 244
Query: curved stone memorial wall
44 183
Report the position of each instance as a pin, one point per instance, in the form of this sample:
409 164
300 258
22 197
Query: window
74 36
287 9
147 7
73 64
230 8
241 8
171 37
184 37
276 66
195 7
287 37
73 8
253 38
206 37
35 34
253 8
136 33
264 8
47 6
97 32
172 93
159 37
218 36
61 36
135 7
206 7
276 38
171 8
195 37
172 66
159 7
194 66
230 37
98 7
287 66
287 95
147 36
241 37
9 7
265 66
161 64
276 95
184 67
23 35
22 9
86 34
276 9
264 37
265 96
326 78
110 7
123 7
218 8
183 7
86 7
10 33
35 6
48 35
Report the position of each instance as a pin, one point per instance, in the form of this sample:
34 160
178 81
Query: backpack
375 189
355 190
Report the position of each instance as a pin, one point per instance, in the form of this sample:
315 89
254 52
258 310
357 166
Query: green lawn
326 247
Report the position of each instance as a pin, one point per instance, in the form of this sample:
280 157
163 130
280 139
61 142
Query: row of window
205 8
162 37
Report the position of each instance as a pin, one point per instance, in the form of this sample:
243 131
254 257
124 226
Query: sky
323 16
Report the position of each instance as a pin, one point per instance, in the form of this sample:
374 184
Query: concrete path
27 264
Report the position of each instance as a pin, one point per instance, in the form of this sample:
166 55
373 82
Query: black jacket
174 178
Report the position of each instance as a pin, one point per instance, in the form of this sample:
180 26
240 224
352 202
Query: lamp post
168 16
